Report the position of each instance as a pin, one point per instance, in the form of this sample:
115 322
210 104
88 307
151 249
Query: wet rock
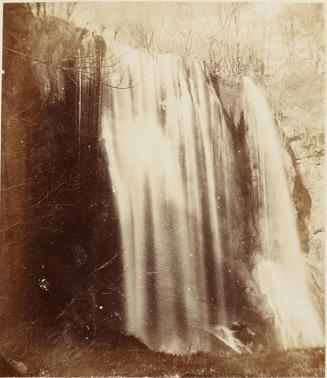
9 369
306 172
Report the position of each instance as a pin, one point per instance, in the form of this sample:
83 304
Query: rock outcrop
55 187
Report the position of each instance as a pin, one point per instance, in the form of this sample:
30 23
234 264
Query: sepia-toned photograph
162 189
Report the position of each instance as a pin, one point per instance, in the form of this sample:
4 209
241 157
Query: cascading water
172 165
280 270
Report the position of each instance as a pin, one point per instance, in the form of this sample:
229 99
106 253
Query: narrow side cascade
280 268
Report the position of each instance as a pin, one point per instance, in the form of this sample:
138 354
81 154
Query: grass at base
129 357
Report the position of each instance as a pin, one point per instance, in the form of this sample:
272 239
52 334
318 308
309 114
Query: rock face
55 204
307 153
308 150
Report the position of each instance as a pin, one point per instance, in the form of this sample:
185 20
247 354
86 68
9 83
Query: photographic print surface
162 183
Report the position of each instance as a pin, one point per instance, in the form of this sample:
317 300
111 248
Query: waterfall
173 171
280 269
